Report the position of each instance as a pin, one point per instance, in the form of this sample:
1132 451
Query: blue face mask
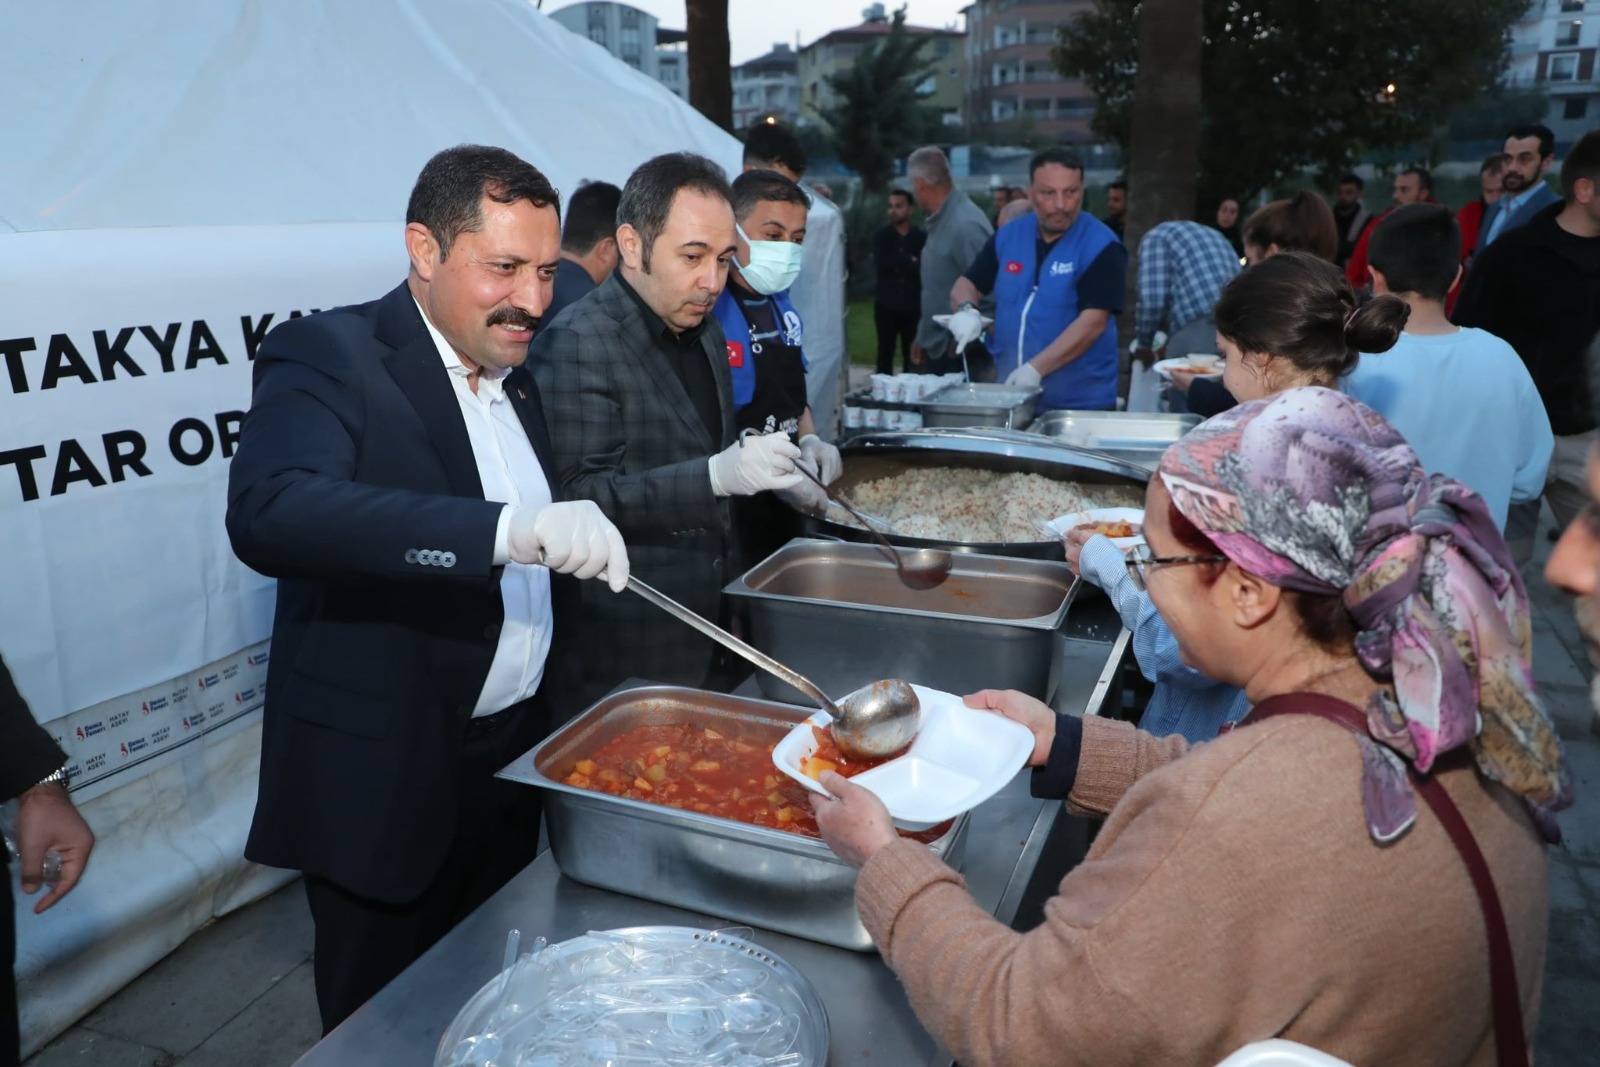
773 266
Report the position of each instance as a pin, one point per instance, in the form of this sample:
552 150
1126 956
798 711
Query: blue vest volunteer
764 359
1035 302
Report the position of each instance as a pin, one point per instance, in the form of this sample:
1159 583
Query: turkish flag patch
1013 267
735 354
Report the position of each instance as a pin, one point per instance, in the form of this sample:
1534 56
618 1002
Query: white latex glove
806 495
1025 375
754 463
572 537
966 326
824 458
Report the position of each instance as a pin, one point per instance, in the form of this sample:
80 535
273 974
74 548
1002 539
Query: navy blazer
354 485
1542 198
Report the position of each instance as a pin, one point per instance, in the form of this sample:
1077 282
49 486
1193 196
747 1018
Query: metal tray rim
741 588
711 825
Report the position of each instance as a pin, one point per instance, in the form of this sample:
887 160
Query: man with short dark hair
588 244
897 255
1441 384
1116 206
1058 278
1350 213
1470 218
637 382
765 334
394 475
1538 288
957 231
1529 153
1414 185
818 294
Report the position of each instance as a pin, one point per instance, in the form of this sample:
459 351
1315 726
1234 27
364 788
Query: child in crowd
1462 397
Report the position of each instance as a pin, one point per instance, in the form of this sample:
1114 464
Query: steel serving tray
881 453
979 404
839 614
733 870
1138 437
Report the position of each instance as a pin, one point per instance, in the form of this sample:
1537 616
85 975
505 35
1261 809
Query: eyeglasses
1140 561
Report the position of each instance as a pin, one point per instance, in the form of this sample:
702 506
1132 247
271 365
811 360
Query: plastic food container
959 759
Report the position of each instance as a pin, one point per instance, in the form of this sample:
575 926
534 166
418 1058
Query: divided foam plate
959 758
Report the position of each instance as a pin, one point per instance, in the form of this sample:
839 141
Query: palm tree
710 73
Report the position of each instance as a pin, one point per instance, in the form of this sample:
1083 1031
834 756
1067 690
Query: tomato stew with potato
701 769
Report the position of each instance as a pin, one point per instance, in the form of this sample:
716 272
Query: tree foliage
1290 84
880 117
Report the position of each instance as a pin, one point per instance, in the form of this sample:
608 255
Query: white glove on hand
823 458
806 495
754 463
572 537
1025 375
966 326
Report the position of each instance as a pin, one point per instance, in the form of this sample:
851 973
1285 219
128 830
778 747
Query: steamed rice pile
956 504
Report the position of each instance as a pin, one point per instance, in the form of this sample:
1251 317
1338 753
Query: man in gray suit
1529 152
635 380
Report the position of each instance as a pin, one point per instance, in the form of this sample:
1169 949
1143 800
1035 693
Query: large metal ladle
920 568
876 720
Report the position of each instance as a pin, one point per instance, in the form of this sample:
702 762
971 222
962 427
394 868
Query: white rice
958 504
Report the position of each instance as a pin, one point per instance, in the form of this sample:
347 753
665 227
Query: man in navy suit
1529 152
394 474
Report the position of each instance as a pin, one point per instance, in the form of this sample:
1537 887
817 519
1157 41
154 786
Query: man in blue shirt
1058 278
588 245
1530 150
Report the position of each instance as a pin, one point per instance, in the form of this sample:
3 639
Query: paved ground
239 993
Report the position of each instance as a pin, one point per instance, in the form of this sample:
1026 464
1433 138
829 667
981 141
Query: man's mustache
514 317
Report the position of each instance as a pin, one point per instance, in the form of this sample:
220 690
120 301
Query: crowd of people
454 483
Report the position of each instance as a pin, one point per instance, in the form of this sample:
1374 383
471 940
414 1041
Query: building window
1576 107
630 18
1571 5
1563 68
1567 32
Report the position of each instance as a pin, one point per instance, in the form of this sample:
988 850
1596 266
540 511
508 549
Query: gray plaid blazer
626 436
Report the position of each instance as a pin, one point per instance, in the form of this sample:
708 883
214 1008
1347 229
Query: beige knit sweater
1232 895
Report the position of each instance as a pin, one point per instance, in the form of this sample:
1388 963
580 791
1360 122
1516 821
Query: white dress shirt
511 475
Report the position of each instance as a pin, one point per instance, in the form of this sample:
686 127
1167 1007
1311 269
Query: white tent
178 176
241 112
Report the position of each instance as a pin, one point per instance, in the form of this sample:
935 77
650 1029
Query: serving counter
1017 851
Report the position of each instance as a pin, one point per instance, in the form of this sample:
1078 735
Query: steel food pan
732 870
839 615
878 454
979 404
1139 437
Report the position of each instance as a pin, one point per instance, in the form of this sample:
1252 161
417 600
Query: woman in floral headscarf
1282 880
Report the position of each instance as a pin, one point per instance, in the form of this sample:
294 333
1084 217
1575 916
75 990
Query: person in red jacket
1470 218
1411 186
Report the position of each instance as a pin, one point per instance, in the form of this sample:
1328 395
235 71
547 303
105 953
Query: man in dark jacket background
1538 288
33 768
897 254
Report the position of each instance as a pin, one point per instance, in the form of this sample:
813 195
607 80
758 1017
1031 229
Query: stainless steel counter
871 1021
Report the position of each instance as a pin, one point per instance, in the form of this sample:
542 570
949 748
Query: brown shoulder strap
1511 1042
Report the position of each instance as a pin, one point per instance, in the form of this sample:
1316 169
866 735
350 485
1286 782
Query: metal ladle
877 720
921 568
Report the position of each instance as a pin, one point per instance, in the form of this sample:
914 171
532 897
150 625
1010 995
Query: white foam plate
1164 367
960 758
1062 523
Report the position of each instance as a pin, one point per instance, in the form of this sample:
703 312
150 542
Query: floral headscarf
1312 490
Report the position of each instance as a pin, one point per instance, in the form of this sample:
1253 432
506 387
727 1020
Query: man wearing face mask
763 334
